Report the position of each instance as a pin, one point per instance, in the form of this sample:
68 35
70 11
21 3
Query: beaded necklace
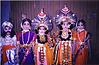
28 38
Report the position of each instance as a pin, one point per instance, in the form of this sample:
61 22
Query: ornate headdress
41 19
65 12
6 23
41 14
64 19
42 23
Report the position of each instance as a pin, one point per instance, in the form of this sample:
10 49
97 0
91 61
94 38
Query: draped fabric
43 54
64 53
82 56
26 55
7 43
4 49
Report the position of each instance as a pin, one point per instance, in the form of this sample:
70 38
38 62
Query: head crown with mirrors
64 19
67 12
42 16
42 23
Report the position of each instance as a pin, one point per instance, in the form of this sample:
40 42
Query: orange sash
4 49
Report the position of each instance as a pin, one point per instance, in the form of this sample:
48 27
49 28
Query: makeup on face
26 25
80 25
7 29
42 30
65 25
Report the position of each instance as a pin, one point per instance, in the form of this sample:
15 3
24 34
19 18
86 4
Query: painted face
26 25
42 30
65 25
80 26
7 29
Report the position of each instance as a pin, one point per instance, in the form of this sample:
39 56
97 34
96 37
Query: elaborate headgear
64 18
67 13
42 23
42 17
41 14
65 10
6 23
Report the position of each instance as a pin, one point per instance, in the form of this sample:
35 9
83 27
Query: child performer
82 38
25 43
63 55
8 41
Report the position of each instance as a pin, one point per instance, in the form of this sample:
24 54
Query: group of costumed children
69 45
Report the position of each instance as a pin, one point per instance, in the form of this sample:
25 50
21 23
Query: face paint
65 25
7 29
42 30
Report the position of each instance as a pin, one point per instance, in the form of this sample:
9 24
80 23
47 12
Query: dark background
87 10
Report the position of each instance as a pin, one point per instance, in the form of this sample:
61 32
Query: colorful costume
64 50
64 46
81 53
43 53
8 45
8 48
25 51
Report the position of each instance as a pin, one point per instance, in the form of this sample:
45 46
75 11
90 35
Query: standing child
8 44
82 43
64 45
25 43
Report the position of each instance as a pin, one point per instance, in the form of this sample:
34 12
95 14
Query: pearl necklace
23 38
